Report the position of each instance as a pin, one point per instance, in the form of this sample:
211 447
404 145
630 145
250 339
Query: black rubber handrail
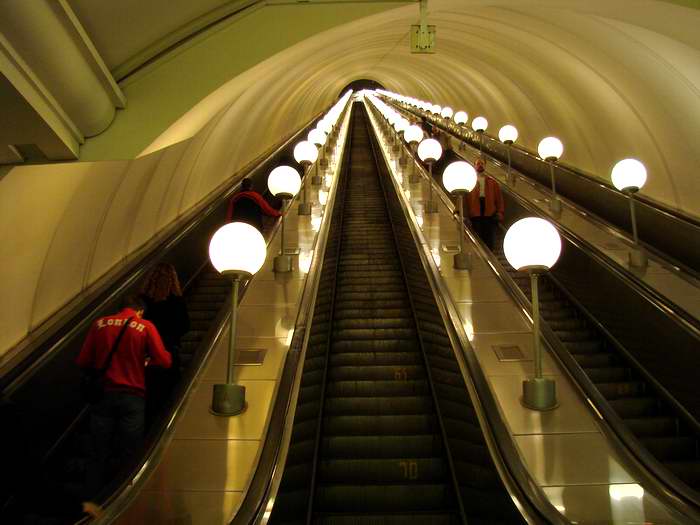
533 502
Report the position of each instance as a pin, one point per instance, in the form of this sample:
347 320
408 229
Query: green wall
162 92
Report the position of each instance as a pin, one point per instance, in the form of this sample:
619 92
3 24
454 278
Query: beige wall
609 80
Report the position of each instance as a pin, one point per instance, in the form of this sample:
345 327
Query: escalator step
379 425
607 375
635 407
383 498
599 360
383 519
653 426
688 471
377 388
671 448
380 406
382 471
400 373
413 446
621 389
374 358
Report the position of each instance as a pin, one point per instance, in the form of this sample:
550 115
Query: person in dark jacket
167 310
117 420
249 206
484 206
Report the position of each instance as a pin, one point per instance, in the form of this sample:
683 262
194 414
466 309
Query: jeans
116 425
486 229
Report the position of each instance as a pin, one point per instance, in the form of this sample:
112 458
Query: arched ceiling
612 79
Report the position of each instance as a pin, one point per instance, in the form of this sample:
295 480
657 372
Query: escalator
384 429
46 436
642 409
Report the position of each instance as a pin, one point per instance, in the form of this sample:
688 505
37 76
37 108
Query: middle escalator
384 430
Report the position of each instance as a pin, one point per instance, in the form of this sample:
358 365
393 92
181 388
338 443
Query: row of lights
531 244
238 250
628 175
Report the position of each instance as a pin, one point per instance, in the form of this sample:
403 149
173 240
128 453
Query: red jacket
493 200
141 340
255 197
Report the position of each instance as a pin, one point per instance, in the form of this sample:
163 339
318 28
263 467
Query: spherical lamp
413 134
480 124
629 176
316 136
508 134
459 178
550 149
429 151
305 153
284 182
461 117
446 112
533 244
237 250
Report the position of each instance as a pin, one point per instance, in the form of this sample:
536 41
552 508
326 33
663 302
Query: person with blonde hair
167 310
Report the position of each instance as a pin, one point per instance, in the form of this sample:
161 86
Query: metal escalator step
383 498
368 373
375 345
653 426
379 425
371 334
380 406
382 446
380 471
375 358
672 448
621 389
599 360
477 476
377 388
593 346
575 336
369 323
566 325
635 407
687 471
341 314
371 295
467 431
365 304
414 518
607 374
193 335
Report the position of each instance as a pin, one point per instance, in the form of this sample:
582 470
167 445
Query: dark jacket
171 319
249 207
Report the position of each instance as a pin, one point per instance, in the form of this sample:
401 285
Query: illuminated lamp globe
459 176
305 152
316 136
284 182
429 150
629 175
413 133
325 125
237 248
446 112
480 124
461 117
532 243
401 125
436 109
508 134
550 148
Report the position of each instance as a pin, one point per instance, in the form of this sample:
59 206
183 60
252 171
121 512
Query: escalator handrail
656 207
680 496
262 489
116 282
517 479
120 499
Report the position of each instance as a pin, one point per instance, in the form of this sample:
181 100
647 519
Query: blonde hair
161 283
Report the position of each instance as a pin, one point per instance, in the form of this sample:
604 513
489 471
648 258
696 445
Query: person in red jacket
249 206
485 206
117 420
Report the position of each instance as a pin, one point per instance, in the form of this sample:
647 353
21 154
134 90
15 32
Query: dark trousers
116 425
486 229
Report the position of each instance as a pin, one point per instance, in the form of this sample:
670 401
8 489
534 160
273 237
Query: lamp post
283 182
508 134
237 250
305 153
459 178
628 176
479 124
318 138
533 245
413 134
550 149
430 151
461 118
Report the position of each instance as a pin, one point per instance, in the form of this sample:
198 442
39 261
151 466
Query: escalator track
642 409
384 429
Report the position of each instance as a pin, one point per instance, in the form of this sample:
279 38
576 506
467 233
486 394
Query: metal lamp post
283 182
459 178
508 134
429 152
461 118
317 137
237 250
550 149
628 176
533 245
305 153
413 134
479 124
